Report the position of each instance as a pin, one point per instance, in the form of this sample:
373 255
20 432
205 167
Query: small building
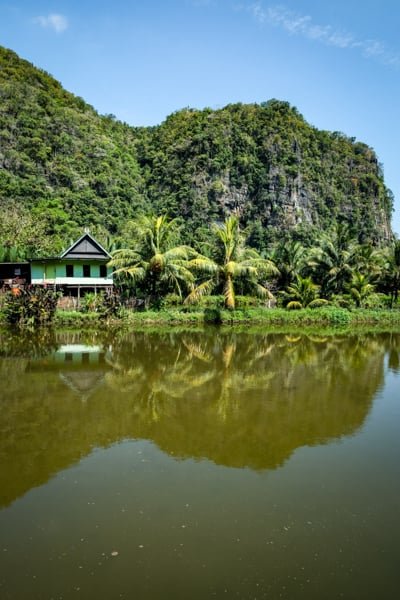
80 269
14 274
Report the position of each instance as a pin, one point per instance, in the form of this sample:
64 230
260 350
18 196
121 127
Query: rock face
268 165
263 162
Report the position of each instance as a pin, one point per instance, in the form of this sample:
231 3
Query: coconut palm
360 289
303 293
368 260
332 261
289 257
391 274
232 262
154 261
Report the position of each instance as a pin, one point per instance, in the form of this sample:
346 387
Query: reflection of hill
238 400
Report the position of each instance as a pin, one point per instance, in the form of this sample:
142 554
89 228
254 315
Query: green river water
203 464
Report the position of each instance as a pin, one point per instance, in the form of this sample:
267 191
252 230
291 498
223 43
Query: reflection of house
80 367
81 268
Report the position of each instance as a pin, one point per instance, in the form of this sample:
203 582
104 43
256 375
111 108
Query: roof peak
97 246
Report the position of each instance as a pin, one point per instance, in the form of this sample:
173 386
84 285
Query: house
80 269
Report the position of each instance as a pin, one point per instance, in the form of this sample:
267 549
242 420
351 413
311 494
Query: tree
154 263
289 257
22 233
303 293
359 289
392 272
331 263
232 261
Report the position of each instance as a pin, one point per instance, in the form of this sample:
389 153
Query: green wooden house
80 269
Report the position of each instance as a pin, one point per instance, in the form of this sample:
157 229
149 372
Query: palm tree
154 261
368 260
232 262
332 261
392 272
289 257
303 293
359 288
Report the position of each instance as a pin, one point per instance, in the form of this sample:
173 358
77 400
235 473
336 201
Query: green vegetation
154 263
323 319
63 166
159 273
248 202
29 306
232 262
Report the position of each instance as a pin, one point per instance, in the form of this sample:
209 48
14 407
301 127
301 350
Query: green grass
333 317
321 318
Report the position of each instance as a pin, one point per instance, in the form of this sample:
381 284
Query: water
199 465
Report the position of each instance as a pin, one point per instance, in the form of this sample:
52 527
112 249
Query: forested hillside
63 166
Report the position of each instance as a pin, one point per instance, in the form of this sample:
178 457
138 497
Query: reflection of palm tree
192 368
233 373
163 374
214 395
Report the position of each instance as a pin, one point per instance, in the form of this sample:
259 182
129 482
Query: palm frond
204 289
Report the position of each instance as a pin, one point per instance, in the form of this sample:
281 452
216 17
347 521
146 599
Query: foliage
60 160
65 167
360 289
331 260
30 306
233 263
154 264
289 257
106 304
391 274
302 293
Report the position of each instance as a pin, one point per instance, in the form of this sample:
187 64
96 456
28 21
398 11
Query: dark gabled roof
85 247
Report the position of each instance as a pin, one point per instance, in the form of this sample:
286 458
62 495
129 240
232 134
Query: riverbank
322 317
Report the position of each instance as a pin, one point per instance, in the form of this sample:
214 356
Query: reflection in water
240 400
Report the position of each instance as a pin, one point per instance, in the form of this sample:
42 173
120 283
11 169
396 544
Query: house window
103 270
86 270
69 269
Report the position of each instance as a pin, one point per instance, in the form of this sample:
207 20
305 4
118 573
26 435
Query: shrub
105 304
249 301
213 316
171 301
33 305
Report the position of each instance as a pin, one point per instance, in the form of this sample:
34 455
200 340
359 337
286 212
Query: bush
34 305
249 301
213 316
211 302
106 304
171 301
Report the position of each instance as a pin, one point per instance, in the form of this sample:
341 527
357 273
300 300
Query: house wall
55 272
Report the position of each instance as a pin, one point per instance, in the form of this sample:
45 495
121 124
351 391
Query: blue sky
338 62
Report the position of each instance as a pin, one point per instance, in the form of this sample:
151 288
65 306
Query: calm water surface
199 465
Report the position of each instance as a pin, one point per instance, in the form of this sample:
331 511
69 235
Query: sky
337 62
